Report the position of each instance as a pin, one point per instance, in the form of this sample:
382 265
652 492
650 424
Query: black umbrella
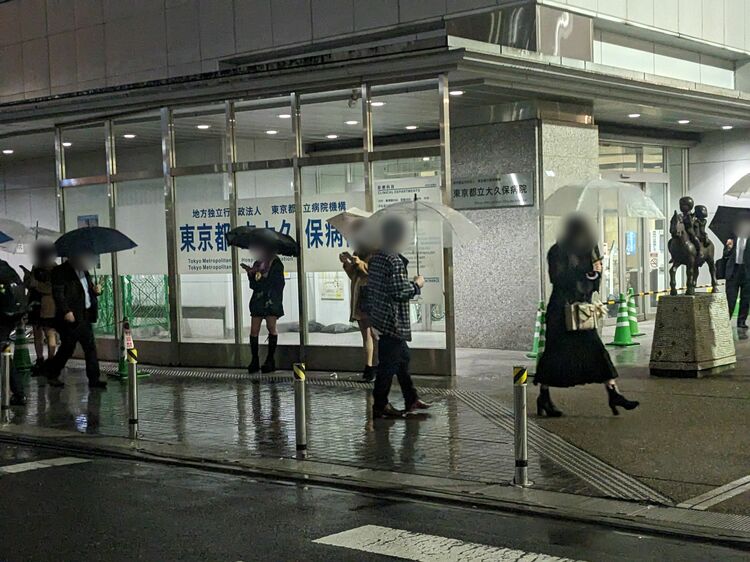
92 240
250 237
727 219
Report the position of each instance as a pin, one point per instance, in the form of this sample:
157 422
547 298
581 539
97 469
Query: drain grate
597 473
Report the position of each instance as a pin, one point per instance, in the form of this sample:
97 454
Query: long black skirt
571 358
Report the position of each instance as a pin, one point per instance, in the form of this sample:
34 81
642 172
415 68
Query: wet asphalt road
111 510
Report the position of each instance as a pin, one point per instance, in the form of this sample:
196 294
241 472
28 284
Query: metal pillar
447 190
168 161
5 407
300 410
59 176
521 476
367 145
111 167
132 394
230 157
301 277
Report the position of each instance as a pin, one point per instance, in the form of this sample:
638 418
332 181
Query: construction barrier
22 351
635 331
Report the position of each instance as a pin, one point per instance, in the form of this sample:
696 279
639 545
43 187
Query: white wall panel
616 8
291 21
368 15
713 21
90 56
253 25
734 23
332 17
33 18
36 65
11 70
414 10
61 16
641 11
183 33
62 59
666 15
88 12
676 63
691 18
217 28
10 27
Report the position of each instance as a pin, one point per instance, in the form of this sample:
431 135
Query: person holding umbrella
266 279
76 297
42 303
737 259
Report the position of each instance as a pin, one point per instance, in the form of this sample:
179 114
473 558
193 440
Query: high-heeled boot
544 405
616 399
270 365
254 365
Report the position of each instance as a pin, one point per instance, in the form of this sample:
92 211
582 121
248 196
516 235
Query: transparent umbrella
586 198
345 222
442 224
741 188
22 237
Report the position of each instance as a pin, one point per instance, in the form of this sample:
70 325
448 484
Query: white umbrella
22 236
586 198
741 188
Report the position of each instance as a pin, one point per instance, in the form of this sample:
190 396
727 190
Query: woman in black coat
266 278
571 358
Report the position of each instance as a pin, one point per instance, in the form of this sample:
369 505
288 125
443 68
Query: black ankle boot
544 405
254 365
616 399
369 374
270 365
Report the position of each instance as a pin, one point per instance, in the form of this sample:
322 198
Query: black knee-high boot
270 365
254 365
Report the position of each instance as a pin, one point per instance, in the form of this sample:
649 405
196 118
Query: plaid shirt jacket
389 293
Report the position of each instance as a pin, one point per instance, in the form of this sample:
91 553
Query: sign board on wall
506 190
201 230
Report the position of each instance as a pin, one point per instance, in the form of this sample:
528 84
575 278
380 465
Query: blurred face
394 233
84 262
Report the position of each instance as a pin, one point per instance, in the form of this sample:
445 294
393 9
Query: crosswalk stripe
44 463
718 495
426 548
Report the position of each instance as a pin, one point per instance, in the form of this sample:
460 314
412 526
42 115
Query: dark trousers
739 284
71 334
393 359
16 381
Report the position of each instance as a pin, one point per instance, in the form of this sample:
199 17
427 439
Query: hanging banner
201 229
429 263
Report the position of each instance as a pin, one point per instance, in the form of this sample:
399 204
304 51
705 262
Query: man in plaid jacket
389 293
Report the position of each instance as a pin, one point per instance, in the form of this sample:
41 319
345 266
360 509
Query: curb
624 515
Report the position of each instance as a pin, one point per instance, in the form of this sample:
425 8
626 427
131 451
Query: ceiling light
271 132
727 127
456 92
634 115
425 158
684 121
284 116
7 151
352 122
67 144
203 127
332 136
411 127
128 136
377 103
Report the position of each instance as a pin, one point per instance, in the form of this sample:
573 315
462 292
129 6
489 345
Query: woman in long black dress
572 358
266 278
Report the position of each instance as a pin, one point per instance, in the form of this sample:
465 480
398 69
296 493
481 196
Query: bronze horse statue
684 252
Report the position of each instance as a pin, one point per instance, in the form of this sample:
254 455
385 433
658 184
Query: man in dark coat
76 302
390 291
737 256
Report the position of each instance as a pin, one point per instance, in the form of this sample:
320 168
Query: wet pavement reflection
226 419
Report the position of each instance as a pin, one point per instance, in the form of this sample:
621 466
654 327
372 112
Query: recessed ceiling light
456 92
411 127
634 115
271 132
377 103
67 144
7 151
425 158
684 121
728 127
128 136
284 116
332 136
203 127
352 122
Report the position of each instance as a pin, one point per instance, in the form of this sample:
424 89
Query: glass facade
177 179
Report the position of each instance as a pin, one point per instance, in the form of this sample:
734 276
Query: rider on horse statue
690 245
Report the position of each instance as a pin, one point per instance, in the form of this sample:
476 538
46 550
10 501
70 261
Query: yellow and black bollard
300 416
5 372
521 475
132 393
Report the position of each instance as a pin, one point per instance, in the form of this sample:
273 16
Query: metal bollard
5 408
521 476
132 394
300 418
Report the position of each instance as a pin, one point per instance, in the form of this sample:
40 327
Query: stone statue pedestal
692 336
